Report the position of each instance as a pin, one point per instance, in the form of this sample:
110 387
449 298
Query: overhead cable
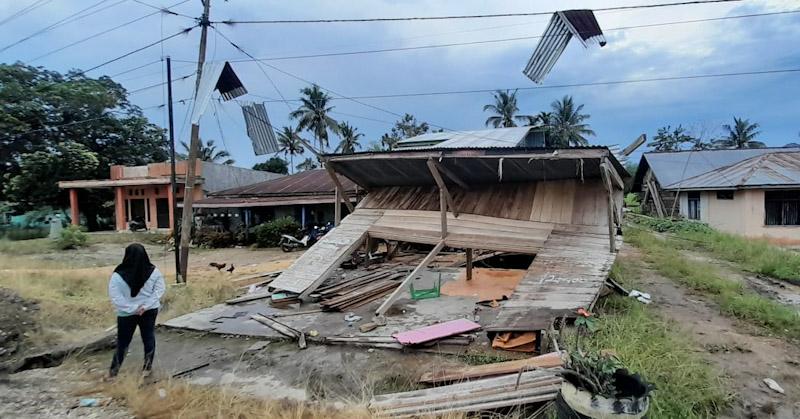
25 10
181 32
453 17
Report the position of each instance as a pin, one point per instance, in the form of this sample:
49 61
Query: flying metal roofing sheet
308 182
768 170
497 137
671 167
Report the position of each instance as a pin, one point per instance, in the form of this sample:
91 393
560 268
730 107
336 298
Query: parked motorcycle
289 243
137 224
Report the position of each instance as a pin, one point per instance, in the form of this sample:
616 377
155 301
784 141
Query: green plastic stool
422 294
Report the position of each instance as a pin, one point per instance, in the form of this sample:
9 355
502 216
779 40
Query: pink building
144 192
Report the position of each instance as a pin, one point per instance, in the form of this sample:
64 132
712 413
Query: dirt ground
17 319
743 354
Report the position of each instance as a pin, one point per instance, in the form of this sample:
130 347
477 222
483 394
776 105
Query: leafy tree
307 164
290 144
312 115
405 127
505 110
349 142
274 165
668 139
34 187
208 152
740 135
567 127
389 142
373 146
41 109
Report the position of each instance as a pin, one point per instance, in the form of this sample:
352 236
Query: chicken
219 266
230 269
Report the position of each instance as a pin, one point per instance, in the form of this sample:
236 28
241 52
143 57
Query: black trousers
125 328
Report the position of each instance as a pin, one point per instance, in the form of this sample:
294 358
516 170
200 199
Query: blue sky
619 113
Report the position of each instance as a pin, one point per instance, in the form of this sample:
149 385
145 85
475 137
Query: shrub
665 225
269 234
212 238
18 233
633 204
72 238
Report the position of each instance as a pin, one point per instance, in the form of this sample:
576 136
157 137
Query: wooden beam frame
337 207
449 173
432 166
332 174
612 231
469 264
389 301
614 174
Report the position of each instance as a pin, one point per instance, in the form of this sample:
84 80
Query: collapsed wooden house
561 205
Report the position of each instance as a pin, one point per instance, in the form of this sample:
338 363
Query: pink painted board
436 331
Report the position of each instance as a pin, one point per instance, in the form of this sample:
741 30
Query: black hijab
135 268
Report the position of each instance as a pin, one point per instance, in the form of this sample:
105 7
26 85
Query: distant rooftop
485 138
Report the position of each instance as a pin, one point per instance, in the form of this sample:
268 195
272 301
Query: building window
782 208
725 195
694 205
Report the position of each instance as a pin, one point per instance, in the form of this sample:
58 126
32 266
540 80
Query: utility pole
194 146
173 177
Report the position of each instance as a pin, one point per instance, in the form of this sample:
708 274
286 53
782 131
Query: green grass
26 247
733 298
648 344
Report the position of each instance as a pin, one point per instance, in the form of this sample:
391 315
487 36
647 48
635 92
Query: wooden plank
469 264
389 301
549 360
443 211
337 207
452 176
329 168
442 190
611 229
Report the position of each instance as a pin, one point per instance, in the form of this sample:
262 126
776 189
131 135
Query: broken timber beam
332 174
442 186
452 176
389 301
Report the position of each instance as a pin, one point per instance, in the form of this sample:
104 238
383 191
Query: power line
181 32
25 10
165 10
160 84
490 41
103 32
135 68
452 17
589 84
61 22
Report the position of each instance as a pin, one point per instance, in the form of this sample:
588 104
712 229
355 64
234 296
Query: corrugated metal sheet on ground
773 169
437 331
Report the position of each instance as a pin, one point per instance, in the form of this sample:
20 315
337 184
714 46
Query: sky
619 112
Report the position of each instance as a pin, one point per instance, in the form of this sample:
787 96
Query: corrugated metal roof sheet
671 167
497 137
308 182
768 170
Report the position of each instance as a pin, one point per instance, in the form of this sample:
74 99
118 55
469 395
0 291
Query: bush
665 225
269 234
213 238
18 233
72 238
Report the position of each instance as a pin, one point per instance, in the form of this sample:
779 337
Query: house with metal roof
752 192
497 137
306 196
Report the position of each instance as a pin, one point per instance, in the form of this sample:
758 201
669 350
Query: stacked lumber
473 396
550 360
359 290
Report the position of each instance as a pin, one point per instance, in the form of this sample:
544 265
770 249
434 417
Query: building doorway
162 212
138 212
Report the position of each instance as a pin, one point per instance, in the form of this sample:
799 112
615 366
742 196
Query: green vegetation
756 256
733 298
633 204
26 233
71 238
648 344
269 234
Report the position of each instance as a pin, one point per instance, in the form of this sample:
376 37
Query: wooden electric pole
187 217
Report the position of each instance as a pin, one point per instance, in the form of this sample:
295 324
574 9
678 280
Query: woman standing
135 288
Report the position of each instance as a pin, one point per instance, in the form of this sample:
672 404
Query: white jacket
149 296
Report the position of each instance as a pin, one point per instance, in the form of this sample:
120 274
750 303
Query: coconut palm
208 152
312 115
307 164
567 127
741 135
389 141
349 139
505 108
290 144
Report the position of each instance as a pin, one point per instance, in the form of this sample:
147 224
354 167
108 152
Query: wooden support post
612 231
469 264
437 177
452 176
389 301
368 249
337 207
338 184
443 211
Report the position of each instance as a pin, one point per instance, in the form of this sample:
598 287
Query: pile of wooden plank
472 396
360 290
550 360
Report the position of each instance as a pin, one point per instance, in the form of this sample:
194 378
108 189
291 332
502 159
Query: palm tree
312 115
349 136
505 108
208 152
307 164
290 144
741 135
567 124
389 141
